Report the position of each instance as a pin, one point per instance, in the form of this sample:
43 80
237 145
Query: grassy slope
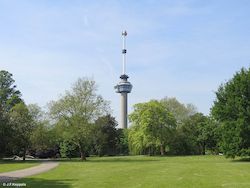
6 166
139 171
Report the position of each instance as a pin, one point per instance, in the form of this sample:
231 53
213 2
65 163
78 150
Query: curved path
13 175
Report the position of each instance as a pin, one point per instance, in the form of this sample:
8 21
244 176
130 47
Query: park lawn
9 165
145 171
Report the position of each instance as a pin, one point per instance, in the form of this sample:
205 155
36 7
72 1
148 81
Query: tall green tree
23 126
188 138
232 109
209 134
105 139
77 110
9 97
44 138
5 134
152 126
199 122
197 135
44 141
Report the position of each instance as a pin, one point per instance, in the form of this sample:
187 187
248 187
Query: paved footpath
13 175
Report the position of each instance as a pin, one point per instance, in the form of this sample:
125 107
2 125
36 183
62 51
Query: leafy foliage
122 144
44 141
77 110
232 109
68 149
188 138
105 136
180 111
23 125
152 127
9 97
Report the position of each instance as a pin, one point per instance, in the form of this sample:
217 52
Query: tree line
77 124
168 127
80 124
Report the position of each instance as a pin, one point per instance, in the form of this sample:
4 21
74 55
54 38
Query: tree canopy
152 125
23 125
232 109
77 110
180 111
9 97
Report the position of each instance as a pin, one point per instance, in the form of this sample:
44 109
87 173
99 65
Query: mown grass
10 165
144 171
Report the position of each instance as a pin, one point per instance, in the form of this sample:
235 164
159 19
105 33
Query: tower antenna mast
124 51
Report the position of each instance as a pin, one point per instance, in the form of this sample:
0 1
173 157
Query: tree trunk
162 150
204 148
83 157
149 151
24 154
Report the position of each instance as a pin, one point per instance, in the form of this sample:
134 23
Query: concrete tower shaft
124 110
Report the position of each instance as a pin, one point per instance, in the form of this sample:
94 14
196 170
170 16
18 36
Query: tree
105 139
152 126
232 109
44 141
198 134
186 140
9 97
77 110
68 149
5 134
122 144
209 134
180 111
23 125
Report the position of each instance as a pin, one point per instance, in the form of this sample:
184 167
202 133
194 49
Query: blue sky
182 48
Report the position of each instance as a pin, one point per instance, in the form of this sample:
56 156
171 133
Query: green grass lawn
8 165
144 171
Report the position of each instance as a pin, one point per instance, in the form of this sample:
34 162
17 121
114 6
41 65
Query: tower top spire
124 33
124 51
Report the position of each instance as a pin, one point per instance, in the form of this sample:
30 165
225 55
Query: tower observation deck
124 87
